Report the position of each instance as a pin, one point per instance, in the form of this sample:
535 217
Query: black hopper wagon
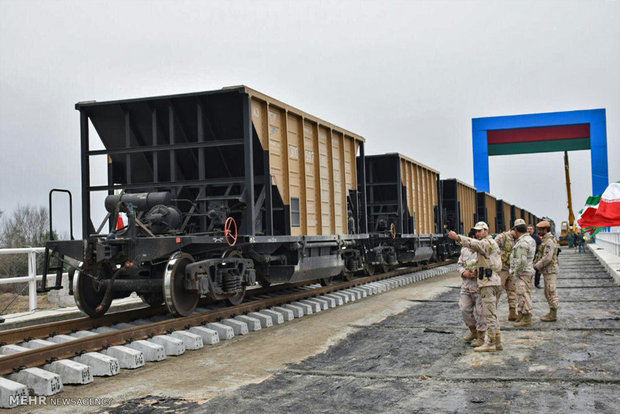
403 212
219 190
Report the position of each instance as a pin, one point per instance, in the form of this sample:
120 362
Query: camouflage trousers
488 295
508 284
524 292
551 292
471 308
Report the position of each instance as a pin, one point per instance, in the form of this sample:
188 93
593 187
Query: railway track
116 333
41 331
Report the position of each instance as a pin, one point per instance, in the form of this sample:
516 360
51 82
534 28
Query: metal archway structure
543 132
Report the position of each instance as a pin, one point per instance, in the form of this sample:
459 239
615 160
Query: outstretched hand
470 274
453 235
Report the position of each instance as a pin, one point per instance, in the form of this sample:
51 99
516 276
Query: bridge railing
610 241
32 277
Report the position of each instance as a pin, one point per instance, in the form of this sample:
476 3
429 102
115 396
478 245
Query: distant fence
32 277
610 241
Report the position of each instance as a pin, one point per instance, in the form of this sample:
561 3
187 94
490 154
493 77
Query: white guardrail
32 277
610 241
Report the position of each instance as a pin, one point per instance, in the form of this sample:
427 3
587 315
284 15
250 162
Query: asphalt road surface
416 362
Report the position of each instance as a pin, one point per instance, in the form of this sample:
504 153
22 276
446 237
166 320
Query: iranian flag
587 213
608 213
602 211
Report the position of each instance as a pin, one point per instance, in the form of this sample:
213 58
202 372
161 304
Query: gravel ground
13 303
416 362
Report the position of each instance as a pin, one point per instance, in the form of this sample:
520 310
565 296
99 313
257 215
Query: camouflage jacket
488 256
467 261
506 243
547 256
522 257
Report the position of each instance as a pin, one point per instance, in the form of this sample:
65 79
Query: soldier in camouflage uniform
522 271
547 263
506 241
488 263
470 302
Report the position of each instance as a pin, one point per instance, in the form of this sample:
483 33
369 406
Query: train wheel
180 302
326 281
89 294
346 275
384 268
369 269
233 300
236 299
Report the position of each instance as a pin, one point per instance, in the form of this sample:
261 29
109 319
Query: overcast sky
408 76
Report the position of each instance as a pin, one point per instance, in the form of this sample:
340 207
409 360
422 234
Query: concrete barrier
610 262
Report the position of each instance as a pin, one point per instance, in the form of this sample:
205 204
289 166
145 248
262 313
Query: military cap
518 222
481 225
544 224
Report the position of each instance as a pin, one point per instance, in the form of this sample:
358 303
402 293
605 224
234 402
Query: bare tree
28 226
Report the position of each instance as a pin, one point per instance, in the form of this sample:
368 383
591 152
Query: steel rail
41 331
48 354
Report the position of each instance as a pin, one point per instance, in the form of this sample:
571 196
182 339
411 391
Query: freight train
210 193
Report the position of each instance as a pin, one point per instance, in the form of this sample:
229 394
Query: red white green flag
587 213
608 214
602 211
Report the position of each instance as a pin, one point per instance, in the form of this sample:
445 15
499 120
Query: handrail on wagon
61 190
